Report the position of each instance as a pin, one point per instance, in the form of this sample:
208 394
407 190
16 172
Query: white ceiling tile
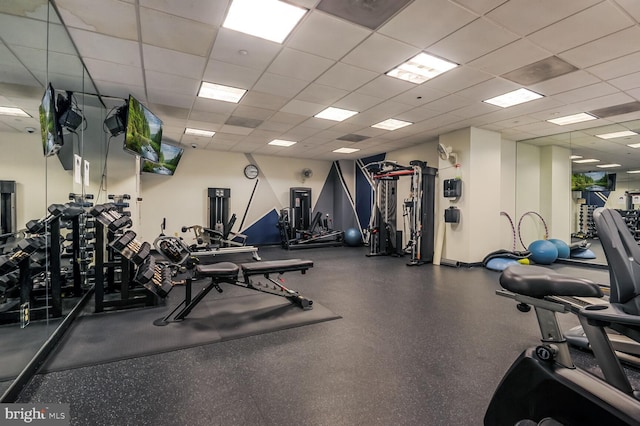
472 41
480 6
235 130
111 49
299 133
358 102
632 7
263 100
604 101
212 105
347 77
604 49
300 65
380 112
488 89
380 54
564 83
32 59
581 28
303 108
206 120
617 67
253 112
525 16
230 75
457 79
419 114
324 35
117 90
280 85
164 97
510 57
206 11
171 83
65 64
419 95
175 33
17 74
321 94
385 87
414 26
587 92
26 32
100 16
117 73
287 118
171 62
634 92
229 44
474 110
447 104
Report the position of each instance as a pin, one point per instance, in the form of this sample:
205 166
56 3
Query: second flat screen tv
143 133
169 158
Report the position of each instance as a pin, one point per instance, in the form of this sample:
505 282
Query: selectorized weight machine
218 238
384 237
299 230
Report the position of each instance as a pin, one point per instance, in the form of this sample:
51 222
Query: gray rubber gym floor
420 345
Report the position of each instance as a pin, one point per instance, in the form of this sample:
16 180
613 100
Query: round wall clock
251 171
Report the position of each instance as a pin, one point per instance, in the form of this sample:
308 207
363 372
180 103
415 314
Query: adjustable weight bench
227 272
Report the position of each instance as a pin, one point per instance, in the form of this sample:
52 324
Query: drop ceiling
161 50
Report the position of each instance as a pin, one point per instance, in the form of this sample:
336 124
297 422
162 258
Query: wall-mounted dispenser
452 188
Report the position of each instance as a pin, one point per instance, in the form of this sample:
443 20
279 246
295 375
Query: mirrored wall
37 55
605 163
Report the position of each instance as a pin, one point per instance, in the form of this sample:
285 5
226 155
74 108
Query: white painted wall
182 198
555 184
480 158
508 193
40 181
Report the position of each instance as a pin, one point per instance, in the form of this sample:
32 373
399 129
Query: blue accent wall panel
264 231
364 191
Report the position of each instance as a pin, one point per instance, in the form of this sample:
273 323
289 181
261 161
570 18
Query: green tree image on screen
144 131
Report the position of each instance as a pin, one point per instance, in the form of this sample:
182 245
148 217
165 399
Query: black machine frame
384 237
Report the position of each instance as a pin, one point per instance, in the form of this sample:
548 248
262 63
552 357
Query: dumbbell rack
108 259
632 220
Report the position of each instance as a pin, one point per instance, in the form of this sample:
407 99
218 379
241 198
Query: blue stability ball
353 237
563 248
543 252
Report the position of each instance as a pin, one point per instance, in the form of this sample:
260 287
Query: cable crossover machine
418 208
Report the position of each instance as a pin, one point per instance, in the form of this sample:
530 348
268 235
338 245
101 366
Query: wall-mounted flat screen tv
170 156
593 181
49 127
143 134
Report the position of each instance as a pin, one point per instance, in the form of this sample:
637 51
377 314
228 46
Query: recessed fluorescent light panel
335 114
345 150
587 160
269 19
575 157
572 119
199 132
616 134
421 68
280 142
634 145
514 98
15 112
608 166
220 92
391 124
633 171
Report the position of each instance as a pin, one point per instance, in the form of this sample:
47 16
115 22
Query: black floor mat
108 337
